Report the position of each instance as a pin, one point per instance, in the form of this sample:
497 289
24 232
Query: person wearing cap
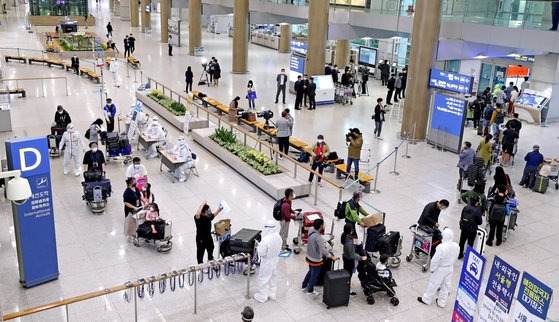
137 170
268 250
71 143
533 161
93 160
247 314
61 117
355 140
183 154
110 112
319 153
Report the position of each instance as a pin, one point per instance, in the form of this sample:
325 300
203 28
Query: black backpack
340 210
304 157
467 220
87 133
498 213
500 118
277 209
488 113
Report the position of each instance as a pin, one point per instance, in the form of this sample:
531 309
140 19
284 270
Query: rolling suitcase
512 218
327 266
479 242
243 241
336 288
540 184
373 235
388 244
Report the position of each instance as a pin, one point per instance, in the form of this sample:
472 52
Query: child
152 217
382 271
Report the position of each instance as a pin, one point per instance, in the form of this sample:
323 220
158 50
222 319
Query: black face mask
133 185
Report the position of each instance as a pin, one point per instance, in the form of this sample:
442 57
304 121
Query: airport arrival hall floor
94 254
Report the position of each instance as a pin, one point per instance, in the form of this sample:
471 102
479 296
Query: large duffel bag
144 230
88 188
244 240
93 176
373 236
120 151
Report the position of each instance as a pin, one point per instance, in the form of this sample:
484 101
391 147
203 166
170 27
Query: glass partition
58 8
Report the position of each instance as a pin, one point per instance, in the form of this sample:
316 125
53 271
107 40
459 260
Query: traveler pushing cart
306 221
142 231
422 248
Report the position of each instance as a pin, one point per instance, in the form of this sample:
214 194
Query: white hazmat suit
113 67
442 266
184 154
141 122
72 140
155 131
268 251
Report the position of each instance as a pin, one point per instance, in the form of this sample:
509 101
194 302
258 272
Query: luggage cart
554 175
305 222
163 243
422 242
348 95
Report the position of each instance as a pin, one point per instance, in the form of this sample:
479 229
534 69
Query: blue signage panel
502 283
298 47
296 67
452 82
448 113
534 298
468 286
34 219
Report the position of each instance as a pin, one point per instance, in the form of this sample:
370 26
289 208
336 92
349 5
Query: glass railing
521 14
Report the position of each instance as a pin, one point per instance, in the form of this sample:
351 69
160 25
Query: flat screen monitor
530 100
323 82
367 56
451 82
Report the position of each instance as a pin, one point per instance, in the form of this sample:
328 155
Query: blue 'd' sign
34 219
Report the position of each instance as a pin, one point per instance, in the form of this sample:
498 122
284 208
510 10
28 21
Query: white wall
471 67
545 78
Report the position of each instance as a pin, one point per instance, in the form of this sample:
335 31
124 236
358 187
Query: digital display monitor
452 82
530 100
367 56
296 67
323 82
448 114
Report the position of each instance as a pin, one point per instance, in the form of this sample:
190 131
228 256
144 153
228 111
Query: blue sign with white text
298 47
468 286
34 219
502 283
452 82
535 298
448 114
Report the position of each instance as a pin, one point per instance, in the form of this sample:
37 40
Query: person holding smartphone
204 241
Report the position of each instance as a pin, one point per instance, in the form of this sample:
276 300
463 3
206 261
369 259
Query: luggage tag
151 289
162 283
128 291
140 288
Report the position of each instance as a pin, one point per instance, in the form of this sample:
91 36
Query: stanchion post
195 291
444 141
413 134
43 87
67 313
394 172
247 296
135 305
316 190
375 191
406 155
340 194
128 72
135 81
66 82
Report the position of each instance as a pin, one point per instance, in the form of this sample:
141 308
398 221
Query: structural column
165 6
134 13
285 38
341 55
318 30
424 42
240 36
145 15
194 25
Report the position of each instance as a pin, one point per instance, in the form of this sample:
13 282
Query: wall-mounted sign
517 71
447 122
298 47
452 82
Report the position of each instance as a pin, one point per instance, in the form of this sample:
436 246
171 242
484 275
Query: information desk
170 161
145 141
534 103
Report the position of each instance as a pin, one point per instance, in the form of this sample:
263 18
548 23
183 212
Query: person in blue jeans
380 110
316 251
355 140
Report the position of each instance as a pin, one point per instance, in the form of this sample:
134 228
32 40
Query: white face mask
294 196
320 141
136 166
60 112
94 150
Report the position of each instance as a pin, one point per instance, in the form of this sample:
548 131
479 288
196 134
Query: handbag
251 95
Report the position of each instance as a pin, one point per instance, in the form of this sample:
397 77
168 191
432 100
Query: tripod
204 80
269 138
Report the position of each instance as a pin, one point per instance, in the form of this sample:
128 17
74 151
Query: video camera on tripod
266 115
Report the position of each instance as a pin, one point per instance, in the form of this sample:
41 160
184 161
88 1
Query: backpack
87 133
498 213
277 209
468 221
488 113
340 210
500 118
303 157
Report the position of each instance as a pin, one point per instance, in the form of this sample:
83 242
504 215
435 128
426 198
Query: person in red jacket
286 215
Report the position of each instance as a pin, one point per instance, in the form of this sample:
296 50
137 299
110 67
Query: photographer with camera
284 127
355 140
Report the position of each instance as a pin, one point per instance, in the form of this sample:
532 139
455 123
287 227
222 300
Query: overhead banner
34 219
468 286
499 293
533 300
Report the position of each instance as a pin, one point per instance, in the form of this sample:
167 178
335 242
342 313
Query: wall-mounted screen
452 82
367 56
530 100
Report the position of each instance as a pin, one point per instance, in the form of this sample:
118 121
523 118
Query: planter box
274 185
176 121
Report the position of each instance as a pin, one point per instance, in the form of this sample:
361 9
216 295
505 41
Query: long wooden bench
20 58
221 109
16 91
133 62
52 62
94 76
37 60
251 124
364 180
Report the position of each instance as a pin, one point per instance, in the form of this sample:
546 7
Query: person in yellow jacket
485 148
355 140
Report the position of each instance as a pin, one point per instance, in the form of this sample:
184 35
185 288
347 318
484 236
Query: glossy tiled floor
94 254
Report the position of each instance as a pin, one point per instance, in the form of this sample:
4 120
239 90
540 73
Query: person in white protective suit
72 140
268 250
141 121
155 131
442 266
183 153
113 67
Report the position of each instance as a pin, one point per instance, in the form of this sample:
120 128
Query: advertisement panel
499 293
452 82
468 286
34 219
296 67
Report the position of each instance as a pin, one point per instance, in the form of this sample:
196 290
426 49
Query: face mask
94 150
320 141
60 112
134 185
136 166
356 242
294 196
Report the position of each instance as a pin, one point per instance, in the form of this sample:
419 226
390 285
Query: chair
192 169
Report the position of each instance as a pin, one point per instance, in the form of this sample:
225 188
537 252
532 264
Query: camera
265 114
350 134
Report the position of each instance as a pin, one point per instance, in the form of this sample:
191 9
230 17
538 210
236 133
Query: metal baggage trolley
422 242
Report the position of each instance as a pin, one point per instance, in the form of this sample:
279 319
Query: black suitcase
89 186
388 244
144 230
373 235
243 241
327 266
112 137
336 288
123 141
